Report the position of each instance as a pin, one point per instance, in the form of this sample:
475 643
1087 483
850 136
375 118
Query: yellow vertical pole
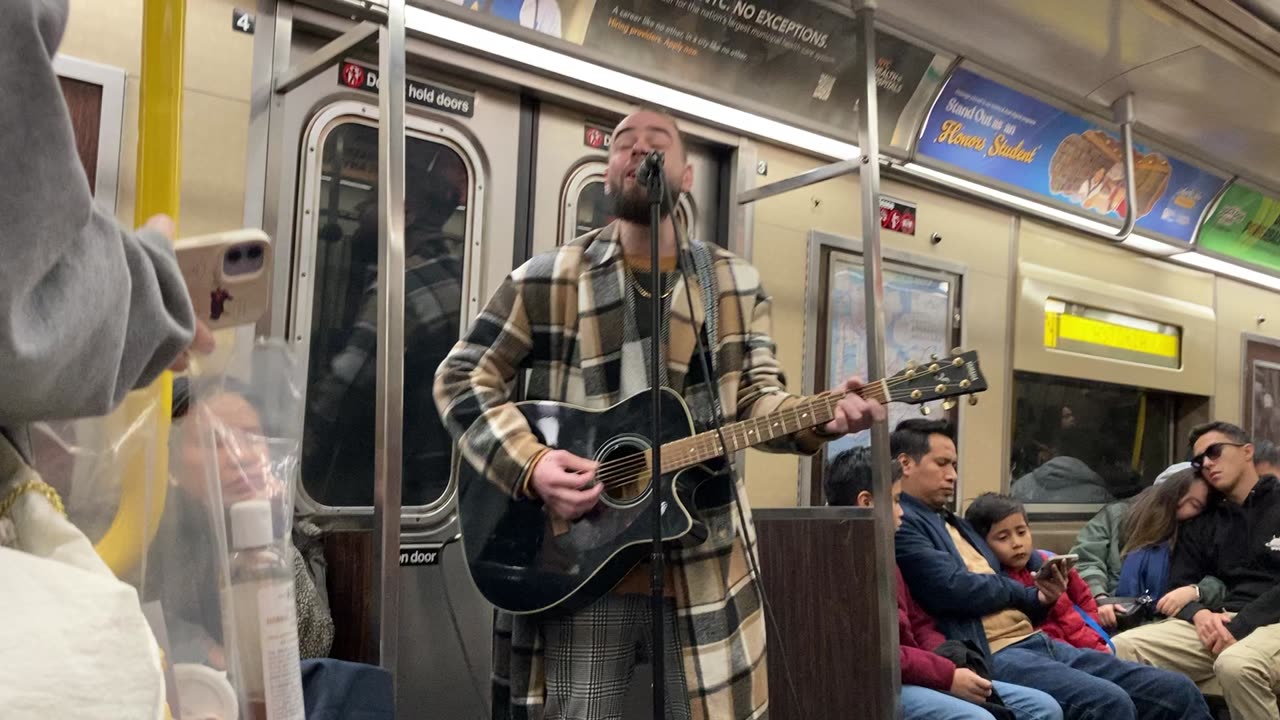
144 474
160 109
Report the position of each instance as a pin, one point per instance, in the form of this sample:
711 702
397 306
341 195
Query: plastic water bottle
266 621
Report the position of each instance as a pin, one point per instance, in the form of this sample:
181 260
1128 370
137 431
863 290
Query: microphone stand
653 176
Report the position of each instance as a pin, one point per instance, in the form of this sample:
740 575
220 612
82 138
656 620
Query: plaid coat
561 318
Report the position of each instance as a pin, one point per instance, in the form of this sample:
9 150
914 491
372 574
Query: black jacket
1240 544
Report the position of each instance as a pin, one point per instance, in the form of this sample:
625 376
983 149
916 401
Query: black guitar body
522 562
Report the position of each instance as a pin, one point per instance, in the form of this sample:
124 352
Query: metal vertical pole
389 432
869 189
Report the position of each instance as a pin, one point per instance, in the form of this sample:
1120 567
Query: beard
632 205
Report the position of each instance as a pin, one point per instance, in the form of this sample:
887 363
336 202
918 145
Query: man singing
578 321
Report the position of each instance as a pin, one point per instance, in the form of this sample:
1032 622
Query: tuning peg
934 368
964 384
957 362
941 388
925 410
973 400
934 357
957 350
916 394
948 404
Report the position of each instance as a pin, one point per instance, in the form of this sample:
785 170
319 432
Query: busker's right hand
969 685
1051 587
565 482
1107 616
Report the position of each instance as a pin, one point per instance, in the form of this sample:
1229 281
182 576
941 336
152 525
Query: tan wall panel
107 32
219 59
1111 264
215 103
215 137
975 236
1055 264
1239 306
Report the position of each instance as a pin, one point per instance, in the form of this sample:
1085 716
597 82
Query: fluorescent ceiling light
435 25
1222 267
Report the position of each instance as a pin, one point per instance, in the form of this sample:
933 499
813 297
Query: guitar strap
702 265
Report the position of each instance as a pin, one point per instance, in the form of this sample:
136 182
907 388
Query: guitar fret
810 412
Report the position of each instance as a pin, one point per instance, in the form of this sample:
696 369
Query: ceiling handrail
1122 112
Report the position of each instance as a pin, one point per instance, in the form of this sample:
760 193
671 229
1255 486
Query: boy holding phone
933 686
1073 619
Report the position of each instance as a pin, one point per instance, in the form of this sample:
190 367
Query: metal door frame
302 268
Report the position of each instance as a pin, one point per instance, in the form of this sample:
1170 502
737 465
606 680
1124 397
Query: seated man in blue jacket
953 573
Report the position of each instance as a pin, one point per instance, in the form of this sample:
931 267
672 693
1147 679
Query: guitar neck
808 413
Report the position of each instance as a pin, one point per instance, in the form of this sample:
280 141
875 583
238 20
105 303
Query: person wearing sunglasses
1236 539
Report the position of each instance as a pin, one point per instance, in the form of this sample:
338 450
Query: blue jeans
1092 685
919 703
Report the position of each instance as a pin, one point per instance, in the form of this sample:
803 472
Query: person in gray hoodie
1062 479
88 310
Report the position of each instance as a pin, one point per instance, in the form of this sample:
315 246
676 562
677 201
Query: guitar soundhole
624 471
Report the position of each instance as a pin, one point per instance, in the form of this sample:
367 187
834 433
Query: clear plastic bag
235 443
108 471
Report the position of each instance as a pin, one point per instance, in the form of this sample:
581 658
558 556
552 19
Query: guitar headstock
944 378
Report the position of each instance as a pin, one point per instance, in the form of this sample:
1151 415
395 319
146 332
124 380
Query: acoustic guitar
524 560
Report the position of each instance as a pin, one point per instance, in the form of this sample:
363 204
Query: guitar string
627 466
634 468
624 467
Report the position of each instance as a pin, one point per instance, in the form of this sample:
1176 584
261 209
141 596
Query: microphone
650 168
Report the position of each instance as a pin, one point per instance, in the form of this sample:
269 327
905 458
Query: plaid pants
591 656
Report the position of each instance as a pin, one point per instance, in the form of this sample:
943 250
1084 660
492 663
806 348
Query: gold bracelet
38 486
523 484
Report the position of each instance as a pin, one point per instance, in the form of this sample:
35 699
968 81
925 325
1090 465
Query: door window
1086 442
587 204
338 438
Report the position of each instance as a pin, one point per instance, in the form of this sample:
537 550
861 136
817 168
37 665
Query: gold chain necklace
640 288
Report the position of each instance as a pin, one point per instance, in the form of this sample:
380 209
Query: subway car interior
1086 196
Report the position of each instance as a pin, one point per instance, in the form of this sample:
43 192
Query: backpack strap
1096 627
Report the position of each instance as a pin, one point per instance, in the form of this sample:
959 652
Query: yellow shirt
1003 628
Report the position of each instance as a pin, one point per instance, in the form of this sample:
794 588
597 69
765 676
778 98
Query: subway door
569 197
460 174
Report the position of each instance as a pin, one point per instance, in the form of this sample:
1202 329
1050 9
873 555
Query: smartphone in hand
1066 562
228 275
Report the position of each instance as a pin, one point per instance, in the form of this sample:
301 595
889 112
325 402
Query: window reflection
592 210
1078 441
338 451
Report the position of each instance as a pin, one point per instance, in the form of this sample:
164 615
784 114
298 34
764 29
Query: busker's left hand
854 413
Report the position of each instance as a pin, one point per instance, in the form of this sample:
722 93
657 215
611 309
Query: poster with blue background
996 132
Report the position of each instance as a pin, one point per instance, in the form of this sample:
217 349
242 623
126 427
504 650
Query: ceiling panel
1072 46
1205 102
